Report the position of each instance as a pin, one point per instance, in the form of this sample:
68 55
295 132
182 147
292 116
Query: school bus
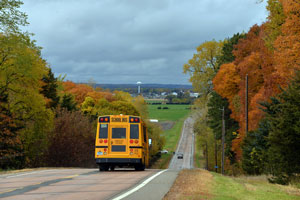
121 141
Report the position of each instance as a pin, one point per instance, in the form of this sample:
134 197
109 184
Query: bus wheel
103 168
139 167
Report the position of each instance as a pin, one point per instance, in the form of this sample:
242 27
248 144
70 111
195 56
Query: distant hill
120 86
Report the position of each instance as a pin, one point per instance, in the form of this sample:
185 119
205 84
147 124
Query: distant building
194 94
174 93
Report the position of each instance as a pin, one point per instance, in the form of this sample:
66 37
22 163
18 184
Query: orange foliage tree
252 58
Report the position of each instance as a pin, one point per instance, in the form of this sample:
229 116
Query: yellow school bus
121 141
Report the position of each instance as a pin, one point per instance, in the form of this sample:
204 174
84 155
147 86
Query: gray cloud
123 41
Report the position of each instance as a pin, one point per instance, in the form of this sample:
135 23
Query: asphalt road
69 183
185 146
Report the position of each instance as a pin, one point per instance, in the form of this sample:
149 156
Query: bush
165 107
72 142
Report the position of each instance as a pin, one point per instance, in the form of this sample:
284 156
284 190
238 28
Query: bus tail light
101 141
131 141
134 119
105 150
104 119
105 141
136 141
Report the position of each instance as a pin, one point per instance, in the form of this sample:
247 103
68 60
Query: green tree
275 20
215 104
21 69
49 89
255 150
68 102
284 135
10 17
203 66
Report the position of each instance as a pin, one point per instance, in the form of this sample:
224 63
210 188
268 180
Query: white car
164 151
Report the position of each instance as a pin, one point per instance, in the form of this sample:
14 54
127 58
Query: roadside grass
199 185
177 114
199 159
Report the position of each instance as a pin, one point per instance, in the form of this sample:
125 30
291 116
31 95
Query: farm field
175 114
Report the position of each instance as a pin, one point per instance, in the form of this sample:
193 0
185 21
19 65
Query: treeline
44 120
270 55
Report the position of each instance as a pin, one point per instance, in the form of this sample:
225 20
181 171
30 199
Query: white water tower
139 86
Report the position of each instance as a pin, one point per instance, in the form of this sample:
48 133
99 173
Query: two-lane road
185 146
69 183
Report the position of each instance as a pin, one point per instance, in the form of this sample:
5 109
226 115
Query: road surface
69 183
185 146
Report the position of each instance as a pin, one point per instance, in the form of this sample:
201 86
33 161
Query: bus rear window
134 131
103 131
118 133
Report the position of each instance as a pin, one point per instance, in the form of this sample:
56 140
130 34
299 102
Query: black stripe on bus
136 147
101 146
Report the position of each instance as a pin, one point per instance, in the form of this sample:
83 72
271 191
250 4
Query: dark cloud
124 41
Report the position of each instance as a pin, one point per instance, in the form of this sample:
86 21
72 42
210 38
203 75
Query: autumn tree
216 102
11 151
21 70
203 66
74 131
287 45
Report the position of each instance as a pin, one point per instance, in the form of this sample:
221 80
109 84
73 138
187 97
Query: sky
125 41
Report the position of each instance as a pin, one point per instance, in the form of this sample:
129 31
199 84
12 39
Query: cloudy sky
125 41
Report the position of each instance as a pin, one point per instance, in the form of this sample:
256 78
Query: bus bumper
118 160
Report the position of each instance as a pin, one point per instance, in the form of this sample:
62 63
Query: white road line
139 186
24 174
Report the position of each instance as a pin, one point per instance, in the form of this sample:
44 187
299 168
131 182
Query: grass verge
199 159
201 184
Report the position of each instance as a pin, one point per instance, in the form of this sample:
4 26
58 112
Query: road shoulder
155 189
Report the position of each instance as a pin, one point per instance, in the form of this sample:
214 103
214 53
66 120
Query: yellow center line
71 176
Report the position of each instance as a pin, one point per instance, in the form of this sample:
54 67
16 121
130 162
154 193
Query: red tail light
134 119
131 141
131 150
105 150
136 141
105 141
104 119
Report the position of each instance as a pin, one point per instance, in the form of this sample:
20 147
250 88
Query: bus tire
103 168
139 167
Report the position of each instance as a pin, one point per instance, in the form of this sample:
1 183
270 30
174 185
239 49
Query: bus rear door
118 140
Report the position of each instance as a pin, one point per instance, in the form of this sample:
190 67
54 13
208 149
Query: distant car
179 155
164 151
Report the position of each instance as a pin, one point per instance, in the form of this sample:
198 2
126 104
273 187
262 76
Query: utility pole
223 139
216 154
246 106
